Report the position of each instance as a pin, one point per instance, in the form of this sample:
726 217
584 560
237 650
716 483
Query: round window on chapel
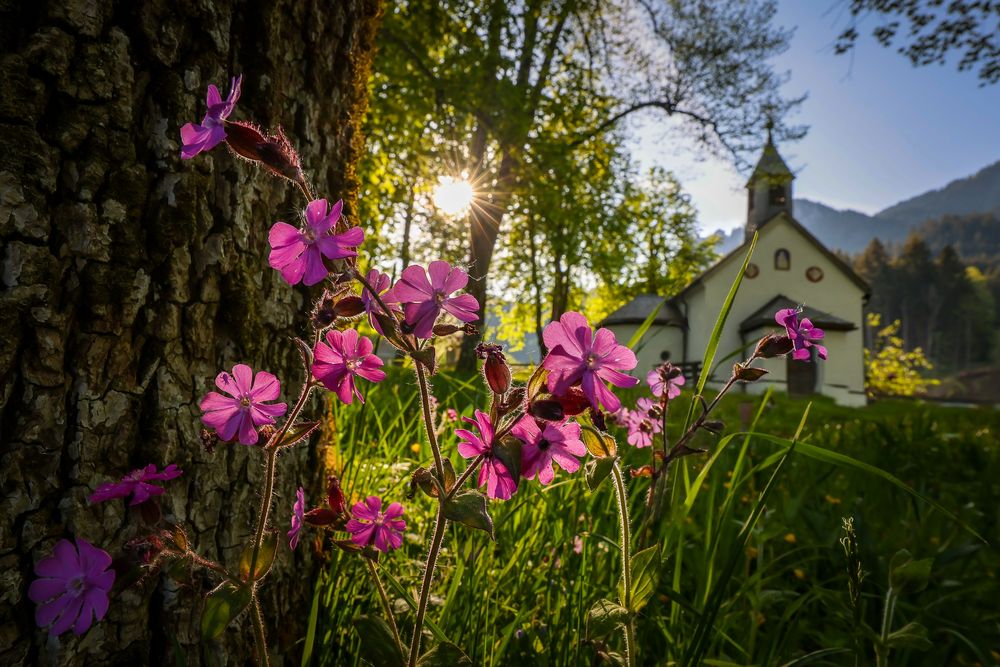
665 355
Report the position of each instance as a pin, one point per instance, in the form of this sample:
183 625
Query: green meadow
774 591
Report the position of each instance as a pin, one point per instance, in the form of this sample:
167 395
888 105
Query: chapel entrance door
801 377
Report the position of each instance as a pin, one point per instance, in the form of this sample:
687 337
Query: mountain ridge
850 231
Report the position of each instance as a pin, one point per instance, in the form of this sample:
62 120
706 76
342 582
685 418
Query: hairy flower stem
425 589
385 601
626 551
425 406
260 638
440 523
465 475
267 498
881 647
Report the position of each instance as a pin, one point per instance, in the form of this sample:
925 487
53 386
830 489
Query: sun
453 196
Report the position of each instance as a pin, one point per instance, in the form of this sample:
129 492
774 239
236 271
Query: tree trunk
131 278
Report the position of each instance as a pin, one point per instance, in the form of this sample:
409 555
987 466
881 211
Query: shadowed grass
523 599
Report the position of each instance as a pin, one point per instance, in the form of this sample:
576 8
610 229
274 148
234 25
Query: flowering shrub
891 369
555 420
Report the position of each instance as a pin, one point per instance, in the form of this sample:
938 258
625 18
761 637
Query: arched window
776 195
782 260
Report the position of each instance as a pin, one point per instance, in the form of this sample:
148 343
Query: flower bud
495 370
274 152
547 409
445 329
745 373
573 402
470 329
335 495
714 426
322 516
773 345
324 312
349 306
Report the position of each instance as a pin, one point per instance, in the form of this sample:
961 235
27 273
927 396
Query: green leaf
836 458
597 470
298 432
508 450
221 606
449 474
713 340
907 575
644 327
444 654
378 646
469 507
912 635
536 383
600 445
268 547
645 572
604 617
310 640
426 357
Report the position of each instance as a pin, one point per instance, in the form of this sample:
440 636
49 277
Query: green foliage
890 369
378 646
944 306
221 606
524 599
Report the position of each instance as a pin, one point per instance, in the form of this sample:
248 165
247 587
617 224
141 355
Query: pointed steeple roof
771 168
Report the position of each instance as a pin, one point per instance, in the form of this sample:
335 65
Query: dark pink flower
667 378
137 484
423 299
212 132
499 481
372 527
343 356
578 355
298 253
803 334
382 284
71 590
641 426
244 409
298 517
551 441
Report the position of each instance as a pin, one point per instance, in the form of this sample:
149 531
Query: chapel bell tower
769 190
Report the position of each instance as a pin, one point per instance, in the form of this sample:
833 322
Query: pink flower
803 334
382 285
666 377
71 590
423 299
137 484
558 442
298 253
343 356
451 414
244 409
500 483
578 355
642 427
298 517
371 527
577 544
198 138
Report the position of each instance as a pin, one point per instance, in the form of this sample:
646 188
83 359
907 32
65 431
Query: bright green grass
522 600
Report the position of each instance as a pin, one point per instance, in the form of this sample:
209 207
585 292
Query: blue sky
880 130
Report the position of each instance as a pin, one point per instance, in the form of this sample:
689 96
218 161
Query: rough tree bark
129 279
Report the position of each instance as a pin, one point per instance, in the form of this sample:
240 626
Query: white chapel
789 267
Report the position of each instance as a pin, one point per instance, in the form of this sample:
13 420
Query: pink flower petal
265 387
244 377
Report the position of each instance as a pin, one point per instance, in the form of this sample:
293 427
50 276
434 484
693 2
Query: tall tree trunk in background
130 279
